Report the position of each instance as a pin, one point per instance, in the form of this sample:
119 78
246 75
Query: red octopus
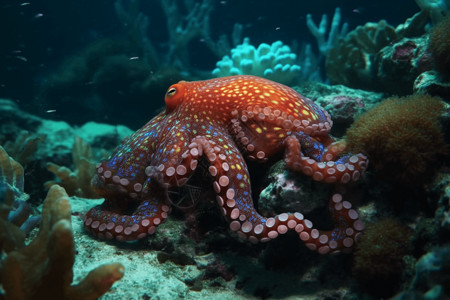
222 121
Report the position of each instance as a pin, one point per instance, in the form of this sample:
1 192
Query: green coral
402 138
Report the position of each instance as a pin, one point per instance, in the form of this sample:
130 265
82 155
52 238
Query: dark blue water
39 36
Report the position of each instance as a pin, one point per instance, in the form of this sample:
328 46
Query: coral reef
378 259
402 138
399 64
439 47
366 59
43 268
217 166
58 147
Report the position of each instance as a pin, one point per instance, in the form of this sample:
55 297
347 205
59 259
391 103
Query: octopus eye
175 95
171 92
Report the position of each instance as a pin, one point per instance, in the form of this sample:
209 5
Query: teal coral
275 62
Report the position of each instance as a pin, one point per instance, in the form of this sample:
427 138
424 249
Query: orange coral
439 46
402 137
378 259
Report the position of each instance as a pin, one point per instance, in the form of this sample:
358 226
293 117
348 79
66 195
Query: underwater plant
402 138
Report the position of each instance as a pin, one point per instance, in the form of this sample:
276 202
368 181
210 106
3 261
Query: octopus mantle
225 121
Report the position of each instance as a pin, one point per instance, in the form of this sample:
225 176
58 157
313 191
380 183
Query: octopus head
175 95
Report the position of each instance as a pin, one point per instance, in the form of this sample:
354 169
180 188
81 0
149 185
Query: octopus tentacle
232 187
109 219
177 170
349 167
143 221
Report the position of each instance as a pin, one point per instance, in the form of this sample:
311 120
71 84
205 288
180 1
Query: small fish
38 15
51 111
134 58
24 3
22 58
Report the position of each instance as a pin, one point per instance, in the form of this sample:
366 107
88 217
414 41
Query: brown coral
11 187
402 138
378 258
43 269
78 182
24 146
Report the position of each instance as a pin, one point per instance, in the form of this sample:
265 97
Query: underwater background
78 78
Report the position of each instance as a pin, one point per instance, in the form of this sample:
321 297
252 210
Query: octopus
217 124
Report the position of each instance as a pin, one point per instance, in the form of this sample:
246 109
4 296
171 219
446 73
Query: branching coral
24 146
78 182
402 137
43 269
15 220
186 21
320 32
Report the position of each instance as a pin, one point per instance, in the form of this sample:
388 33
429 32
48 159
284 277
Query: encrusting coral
402 137
439 46
43 269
